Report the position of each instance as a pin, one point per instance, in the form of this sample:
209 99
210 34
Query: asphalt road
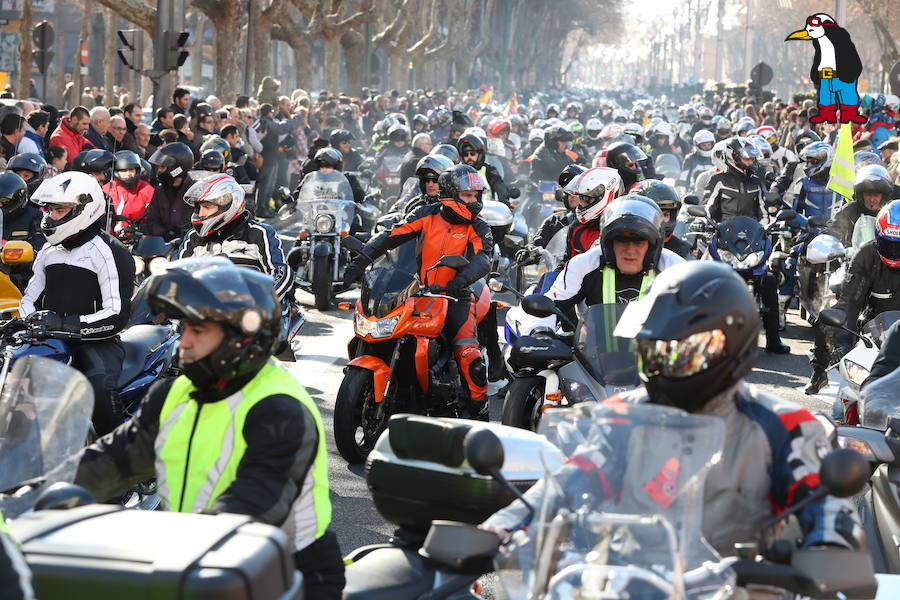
323 354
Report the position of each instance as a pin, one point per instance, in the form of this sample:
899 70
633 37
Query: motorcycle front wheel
358 419
321 283
523 403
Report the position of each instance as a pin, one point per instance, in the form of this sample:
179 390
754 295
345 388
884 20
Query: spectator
214 102
56 160
168 136
98 128
70 133
421 146
268 90
142 140
185 135
275 162
205 125
116 134
235 166
36 125
181 100
133 116
12 128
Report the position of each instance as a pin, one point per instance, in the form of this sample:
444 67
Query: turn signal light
303 235
12 253
500 304
344 305
425 315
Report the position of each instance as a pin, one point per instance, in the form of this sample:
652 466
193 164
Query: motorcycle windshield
392 162
863 230
741 236
611 358
878 326
554 252
325 190
390 281
667 165
151 245
45 413
880 402
535 208
622 518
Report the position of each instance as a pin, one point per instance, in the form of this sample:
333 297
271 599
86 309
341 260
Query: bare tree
327 22
227 17
291 30
109 56
24 86
264 20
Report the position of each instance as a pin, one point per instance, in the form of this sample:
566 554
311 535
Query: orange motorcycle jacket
442 228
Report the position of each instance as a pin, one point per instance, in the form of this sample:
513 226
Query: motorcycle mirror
63 496
786 215
691 200
833 316
484 451
514 193
696 211
538 305
844 472
453 261
284 194
817 222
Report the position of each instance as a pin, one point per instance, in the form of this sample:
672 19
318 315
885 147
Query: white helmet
536 134
599 186
223 191
718 155
592 129
80 191
704 136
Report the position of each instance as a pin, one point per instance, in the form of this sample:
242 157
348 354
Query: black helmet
557 133
98 161
696 333
420 119
215 142
431 167
213 161
145 170
448 151
569 173
461 178
13 194
78 161
666 199
620 157
632 217
32 163
398 133
872 179
126 159
330 157
241 300
804 138
736 150
172 161
339 135
471 143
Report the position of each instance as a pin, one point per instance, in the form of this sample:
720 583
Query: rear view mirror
696 211
17 252
833 316
691 200
484 451
844 472
453 261
538 305
495 284
786 215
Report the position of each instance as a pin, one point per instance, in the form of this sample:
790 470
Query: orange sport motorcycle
399 359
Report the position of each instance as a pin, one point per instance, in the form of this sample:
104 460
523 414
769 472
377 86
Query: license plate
393 180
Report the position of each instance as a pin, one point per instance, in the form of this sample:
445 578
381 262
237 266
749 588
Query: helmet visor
678 359
644 210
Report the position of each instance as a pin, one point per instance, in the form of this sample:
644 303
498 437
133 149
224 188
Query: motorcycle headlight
727 257
753 259
138 265
157 265
324 223
854 372
380 328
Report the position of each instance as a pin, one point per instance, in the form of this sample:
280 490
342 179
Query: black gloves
50 321
457 288
527 255
353 272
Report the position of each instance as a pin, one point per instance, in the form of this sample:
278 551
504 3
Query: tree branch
133 11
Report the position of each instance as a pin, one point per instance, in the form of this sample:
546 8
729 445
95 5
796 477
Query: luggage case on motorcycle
104 552
417 471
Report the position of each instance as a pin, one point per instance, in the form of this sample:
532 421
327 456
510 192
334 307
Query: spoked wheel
358 419
523 403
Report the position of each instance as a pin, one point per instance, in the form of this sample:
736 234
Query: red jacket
130 203
68 139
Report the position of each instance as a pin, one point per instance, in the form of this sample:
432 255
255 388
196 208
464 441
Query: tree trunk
109 56
77 79
262 43
353 44
24 86
331 70
396 69
228 67
146 84
197 50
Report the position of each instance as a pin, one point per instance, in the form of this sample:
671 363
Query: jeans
268 178
834 91
101 363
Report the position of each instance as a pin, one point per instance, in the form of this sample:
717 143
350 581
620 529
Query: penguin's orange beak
799 35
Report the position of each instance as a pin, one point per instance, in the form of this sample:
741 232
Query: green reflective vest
488 193
199 447
609 285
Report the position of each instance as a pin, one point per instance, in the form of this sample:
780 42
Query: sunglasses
817 22
469 153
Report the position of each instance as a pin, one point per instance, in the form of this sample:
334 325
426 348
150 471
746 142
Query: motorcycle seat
139 341
388 574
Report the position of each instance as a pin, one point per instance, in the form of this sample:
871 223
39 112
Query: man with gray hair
421 146
142 140
99 127
116 134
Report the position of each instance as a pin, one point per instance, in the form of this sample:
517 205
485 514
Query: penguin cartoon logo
835 69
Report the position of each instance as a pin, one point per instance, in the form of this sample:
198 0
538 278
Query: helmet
31 162
632 217
696 333
398 133
761 144
419 119
339 135
737 149
705 114
769 134
145 170
666 199
241 300
592 129
803 138
635 131
866 157
329 157
576 128
620 116
223 191
470 142
744 126
431 167
213 161
723 128
13 194
553 108
461 178
536 136
817 157
498 127
72 188
691 114
597 186
215 142
569 173
448 151
718 155
704 136
623 156
98 161
126 159
557 133
887 234
872 179
662 129
171 162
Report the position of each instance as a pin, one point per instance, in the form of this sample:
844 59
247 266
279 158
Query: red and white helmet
768 133
223 191
598 187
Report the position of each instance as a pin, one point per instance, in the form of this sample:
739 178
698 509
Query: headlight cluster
324 223
381 328
746 262
855 372
154 266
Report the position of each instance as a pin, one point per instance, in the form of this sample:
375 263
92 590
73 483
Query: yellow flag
486 97
512 107
840 176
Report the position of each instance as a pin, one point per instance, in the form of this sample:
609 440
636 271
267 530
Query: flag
486 97
512 107
840 175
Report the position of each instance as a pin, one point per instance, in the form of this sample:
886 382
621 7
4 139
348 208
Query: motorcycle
388 175
322 215
818 261
399 359
669 167
15 252
552 370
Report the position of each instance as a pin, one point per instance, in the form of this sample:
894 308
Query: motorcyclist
329 160
80 256
221 226
814 198
341 140
211 161
872 189
129 193
696 334
559 219
721 128
623 265
168 215
661 140
736 191
451 226
397 143
789 174
699 160
448 151
421 146
274 468
631 162
472 152
29 166
428 171
669 203
781 155
97 163
592 140
552 156
21 221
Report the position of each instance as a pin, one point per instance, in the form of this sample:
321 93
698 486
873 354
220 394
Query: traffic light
132 51
43 37
173 45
